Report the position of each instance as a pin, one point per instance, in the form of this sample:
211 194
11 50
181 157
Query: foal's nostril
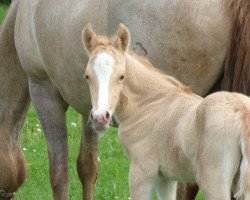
100 118
107 115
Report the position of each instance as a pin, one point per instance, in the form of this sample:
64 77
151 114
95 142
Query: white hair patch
103 67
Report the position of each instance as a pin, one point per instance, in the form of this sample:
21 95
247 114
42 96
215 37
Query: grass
3 9
113 164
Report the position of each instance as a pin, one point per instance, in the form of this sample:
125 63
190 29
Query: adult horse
41 57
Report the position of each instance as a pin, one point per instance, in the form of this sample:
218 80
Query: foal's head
105 72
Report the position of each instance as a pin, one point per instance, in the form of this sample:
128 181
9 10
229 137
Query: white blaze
103 67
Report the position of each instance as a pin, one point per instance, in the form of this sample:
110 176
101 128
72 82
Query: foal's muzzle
101 120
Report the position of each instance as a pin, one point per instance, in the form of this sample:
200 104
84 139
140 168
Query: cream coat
169 133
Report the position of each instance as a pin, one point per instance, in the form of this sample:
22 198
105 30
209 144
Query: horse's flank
237 64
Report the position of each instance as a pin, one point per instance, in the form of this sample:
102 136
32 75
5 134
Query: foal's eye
121 77
86 76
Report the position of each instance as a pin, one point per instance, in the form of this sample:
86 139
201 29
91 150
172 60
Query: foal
169 133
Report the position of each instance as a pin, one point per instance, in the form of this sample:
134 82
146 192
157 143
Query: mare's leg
51 110
87 165
141 182
186 191
14 102
166 189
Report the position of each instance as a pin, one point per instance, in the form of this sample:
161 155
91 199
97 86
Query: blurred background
5 1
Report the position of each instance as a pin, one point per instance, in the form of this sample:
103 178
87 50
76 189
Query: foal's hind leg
87 165
51 110
215 168
214 185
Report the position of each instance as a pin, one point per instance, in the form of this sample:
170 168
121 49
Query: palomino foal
169 133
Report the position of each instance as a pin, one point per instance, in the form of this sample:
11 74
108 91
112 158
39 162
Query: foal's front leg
51 110
166 189
140 183
87 165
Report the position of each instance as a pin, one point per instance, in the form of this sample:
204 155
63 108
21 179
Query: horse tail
243 182
237 63
243 190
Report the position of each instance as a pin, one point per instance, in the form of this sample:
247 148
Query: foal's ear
88 38
122 38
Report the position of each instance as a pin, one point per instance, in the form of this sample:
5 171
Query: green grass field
113 164
3 8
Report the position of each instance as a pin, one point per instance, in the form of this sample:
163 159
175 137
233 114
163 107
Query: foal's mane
145 62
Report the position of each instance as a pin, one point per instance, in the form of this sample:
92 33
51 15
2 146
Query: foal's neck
142 84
